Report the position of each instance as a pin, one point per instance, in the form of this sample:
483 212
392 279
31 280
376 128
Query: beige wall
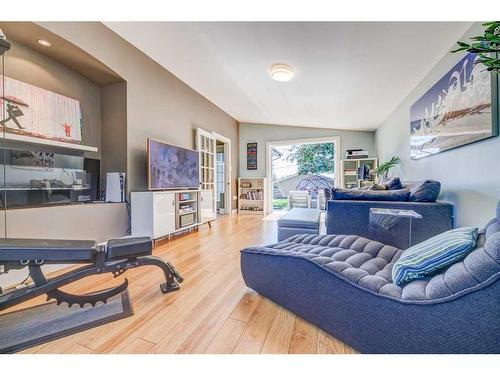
114 129
91 221
26 65
159 105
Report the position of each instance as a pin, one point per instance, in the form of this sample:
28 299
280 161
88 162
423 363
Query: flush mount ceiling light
44 43
281 72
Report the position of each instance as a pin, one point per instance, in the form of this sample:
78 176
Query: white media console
159 214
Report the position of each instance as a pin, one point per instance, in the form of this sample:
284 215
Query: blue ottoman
298 221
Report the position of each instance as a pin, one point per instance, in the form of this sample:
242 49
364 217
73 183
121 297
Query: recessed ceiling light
44 43
281 72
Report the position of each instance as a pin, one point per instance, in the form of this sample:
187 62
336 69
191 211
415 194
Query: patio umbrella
315 183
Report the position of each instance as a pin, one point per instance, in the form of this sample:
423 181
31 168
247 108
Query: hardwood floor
214 312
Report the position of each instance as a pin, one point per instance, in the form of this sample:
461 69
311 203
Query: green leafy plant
383 169
280 202
486 46
314 158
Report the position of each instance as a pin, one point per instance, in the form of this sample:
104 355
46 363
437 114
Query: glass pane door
206 145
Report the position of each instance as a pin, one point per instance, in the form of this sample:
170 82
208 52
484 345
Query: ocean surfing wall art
461 108
36 112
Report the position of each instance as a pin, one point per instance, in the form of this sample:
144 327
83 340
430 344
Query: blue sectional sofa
349 212
343 284
353 217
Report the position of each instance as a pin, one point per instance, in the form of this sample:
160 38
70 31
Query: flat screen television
172 167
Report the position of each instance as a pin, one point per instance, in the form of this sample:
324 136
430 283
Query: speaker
115 187
93 169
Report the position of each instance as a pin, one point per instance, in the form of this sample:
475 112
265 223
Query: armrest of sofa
353 217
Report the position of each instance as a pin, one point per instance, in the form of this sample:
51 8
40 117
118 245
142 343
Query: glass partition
4 46
36 178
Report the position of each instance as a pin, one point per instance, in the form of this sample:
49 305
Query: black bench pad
67 251
129 247
15 249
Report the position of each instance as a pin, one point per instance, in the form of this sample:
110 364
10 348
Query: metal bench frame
41 285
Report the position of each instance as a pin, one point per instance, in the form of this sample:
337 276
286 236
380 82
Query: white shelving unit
349 172
251 196
158 214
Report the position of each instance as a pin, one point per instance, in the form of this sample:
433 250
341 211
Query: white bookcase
349 172
252 196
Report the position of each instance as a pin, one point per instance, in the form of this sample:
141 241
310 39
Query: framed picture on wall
459 109
252 156
35 112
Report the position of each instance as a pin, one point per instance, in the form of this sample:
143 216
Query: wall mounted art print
461 108
252 156
36 112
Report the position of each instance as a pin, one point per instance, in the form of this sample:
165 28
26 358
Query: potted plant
383 169
487 46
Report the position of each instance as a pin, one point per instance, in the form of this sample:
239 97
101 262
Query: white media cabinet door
207 204
163 214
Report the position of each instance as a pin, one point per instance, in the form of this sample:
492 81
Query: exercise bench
116 256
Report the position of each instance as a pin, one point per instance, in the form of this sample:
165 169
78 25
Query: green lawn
280 202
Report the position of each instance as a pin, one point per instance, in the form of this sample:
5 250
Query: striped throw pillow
437 252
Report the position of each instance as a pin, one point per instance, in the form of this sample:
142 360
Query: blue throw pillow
394 184
425 191
440 251
370 195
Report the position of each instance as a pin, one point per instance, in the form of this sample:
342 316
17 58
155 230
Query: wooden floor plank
255 332
330 345
78 349
280 334
192 321
62 345
156 317
227 337
204 333
246 307
138 346
304 338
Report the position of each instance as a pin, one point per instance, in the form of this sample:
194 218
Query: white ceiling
348 75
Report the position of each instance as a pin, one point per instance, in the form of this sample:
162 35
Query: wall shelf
18 138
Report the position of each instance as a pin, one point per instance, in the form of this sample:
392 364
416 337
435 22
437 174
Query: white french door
206 145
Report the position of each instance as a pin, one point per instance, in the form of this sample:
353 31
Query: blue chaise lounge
343 284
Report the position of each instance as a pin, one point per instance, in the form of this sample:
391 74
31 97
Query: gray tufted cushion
368 264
